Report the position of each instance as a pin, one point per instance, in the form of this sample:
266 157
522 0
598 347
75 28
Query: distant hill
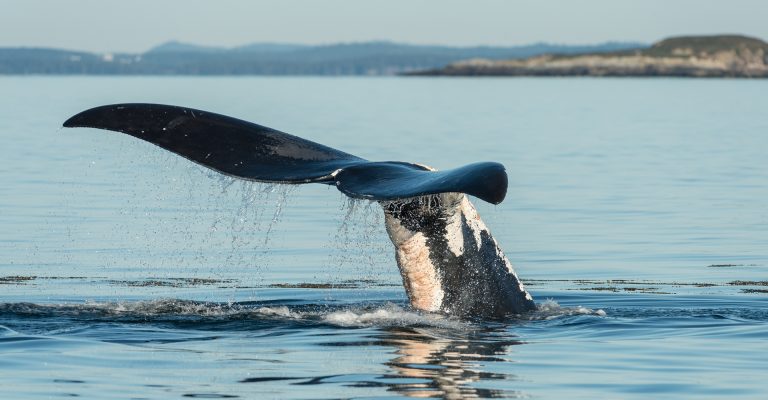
703 46
181 47
367 58
686 56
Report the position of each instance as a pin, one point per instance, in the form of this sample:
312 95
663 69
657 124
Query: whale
448 259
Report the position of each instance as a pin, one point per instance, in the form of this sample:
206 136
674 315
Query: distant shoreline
723 56
360 59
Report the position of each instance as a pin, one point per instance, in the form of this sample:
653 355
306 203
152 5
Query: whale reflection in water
444 367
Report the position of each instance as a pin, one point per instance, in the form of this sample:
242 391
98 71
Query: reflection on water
426 365
448 366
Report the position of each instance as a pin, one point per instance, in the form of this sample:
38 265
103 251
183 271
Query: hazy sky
137 25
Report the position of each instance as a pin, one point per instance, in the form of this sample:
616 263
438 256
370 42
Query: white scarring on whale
449 261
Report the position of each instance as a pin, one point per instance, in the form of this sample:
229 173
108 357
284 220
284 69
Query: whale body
449 261
447 257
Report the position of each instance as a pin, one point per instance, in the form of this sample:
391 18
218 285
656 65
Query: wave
386 314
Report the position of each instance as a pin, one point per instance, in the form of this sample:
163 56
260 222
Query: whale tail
249 151
447 257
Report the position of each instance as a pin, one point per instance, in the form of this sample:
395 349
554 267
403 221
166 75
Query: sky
138 25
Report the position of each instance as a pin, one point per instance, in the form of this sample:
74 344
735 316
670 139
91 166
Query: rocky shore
691 56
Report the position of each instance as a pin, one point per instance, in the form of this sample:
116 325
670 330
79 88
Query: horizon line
372 41
329 44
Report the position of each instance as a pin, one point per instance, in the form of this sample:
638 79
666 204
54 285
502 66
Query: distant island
368 58
689 56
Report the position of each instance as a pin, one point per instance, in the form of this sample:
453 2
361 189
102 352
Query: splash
278 311
550 309
381 315
391 315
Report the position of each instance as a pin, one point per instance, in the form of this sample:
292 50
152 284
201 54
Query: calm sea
637 215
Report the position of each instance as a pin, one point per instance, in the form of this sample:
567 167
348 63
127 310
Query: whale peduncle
449 261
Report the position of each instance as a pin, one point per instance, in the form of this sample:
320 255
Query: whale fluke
446 255
228 145
249 151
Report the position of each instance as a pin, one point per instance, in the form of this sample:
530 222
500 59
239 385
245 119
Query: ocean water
637 216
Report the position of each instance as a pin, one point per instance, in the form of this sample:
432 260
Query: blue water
636 216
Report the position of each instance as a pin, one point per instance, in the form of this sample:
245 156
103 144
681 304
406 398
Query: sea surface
637 216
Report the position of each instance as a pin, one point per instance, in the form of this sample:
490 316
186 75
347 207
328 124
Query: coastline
695 57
